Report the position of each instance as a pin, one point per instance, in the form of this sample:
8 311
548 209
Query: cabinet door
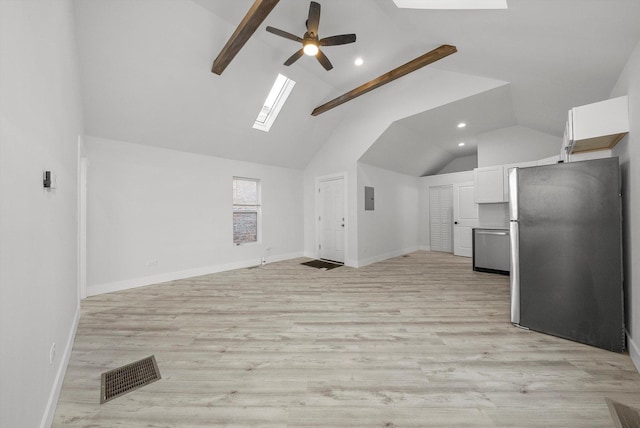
602 119
489 184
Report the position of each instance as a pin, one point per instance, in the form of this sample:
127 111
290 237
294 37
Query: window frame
274 102
257 210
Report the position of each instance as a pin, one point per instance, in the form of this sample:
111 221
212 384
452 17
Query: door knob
455 222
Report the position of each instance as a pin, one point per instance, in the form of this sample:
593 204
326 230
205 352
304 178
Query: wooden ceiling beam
249 24
421 61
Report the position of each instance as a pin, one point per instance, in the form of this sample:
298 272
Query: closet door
440 218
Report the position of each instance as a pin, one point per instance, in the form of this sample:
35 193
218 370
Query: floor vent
322 264
128 378
623 416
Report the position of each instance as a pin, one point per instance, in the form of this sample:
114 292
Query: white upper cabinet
492 182
597 126
489 184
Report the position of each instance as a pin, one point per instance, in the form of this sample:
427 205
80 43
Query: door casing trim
331 177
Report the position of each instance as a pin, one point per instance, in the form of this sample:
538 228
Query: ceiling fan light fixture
311 49
310 41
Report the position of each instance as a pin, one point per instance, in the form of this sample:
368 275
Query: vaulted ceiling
146 69
432 137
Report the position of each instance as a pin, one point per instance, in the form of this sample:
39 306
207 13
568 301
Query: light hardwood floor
415 341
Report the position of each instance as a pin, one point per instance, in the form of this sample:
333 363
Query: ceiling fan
310 41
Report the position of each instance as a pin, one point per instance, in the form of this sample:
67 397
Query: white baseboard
634 352
381 257
50 410
94 290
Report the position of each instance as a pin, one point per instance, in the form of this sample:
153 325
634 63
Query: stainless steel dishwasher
491 250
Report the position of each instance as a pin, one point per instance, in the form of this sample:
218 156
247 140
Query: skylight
451 4
273 104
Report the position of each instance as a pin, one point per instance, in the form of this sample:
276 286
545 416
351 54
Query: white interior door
465 218
331 219
440 218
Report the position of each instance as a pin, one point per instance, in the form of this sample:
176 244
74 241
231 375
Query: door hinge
319 246
319 217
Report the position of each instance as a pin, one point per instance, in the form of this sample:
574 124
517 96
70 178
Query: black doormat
623 416
128 378
321 264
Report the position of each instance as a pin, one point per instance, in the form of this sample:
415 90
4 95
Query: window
275 100
246 210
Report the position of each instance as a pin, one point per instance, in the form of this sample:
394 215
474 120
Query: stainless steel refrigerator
566 251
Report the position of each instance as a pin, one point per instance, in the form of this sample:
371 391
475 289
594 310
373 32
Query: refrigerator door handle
514 279
482 232
513 194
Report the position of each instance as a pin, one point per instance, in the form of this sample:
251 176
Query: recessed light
461 144
462 125
358 61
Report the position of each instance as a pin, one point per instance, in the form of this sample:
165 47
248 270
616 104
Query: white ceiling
432 137
146 65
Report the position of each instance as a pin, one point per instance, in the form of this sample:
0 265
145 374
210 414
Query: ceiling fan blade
284 34
314 18
293 58
322 58
342 39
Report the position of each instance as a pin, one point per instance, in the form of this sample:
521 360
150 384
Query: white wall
391 228
364 120
515 144
628 150
157 214
493 215
465 163
424 184
40 121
